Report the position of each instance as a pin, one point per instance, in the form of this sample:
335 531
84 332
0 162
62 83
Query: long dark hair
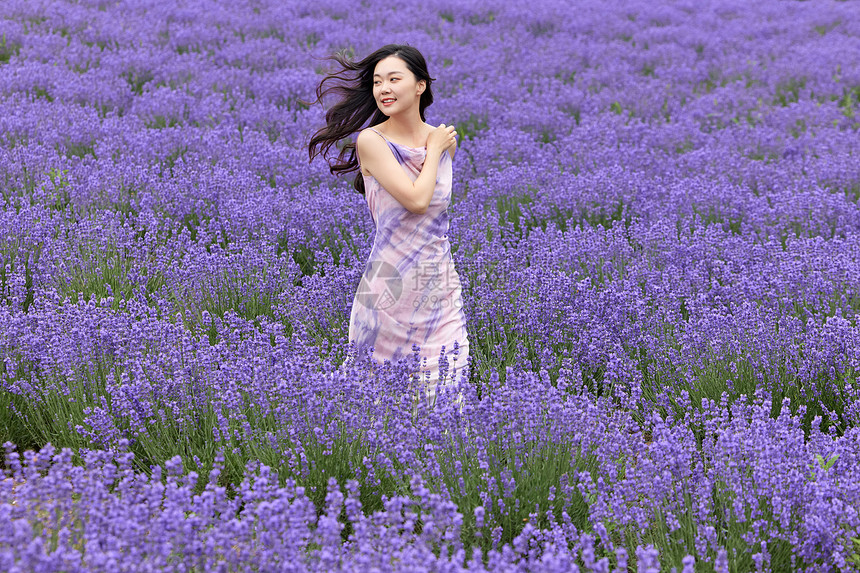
357 104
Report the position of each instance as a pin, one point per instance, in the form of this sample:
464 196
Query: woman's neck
413 131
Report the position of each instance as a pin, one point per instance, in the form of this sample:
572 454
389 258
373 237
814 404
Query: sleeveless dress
410 291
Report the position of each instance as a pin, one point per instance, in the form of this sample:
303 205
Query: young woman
410 292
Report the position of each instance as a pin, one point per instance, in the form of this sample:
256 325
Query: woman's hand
441 138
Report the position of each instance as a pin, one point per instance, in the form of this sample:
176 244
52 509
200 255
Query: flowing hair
357 104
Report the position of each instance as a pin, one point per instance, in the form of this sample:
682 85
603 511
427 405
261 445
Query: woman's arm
377 158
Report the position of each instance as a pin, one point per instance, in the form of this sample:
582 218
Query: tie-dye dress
410 292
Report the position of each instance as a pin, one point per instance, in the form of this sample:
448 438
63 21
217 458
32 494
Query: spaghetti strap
400 145
383 137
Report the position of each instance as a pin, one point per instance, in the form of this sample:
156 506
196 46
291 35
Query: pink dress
410 291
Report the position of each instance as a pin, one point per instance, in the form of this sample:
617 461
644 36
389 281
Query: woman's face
393 80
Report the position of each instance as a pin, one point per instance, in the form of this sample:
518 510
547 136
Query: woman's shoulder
362 138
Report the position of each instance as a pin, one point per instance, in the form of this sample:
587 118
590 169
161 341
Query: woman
410 292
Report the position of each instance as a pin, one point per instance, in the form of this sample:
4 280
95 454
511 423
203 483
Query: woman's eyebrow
389 73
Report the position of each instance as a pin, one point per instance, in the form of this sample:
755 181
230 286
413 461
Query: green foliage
713 215
823 464
567 77
59 400
708 84
684 147
788 91
40 92
186 49
822 29
79 149
494 339
7 50
136 80
515 219
332 244
799 128
344 459
537 469
547 135
471 127
170 161
486 18
19 257
220 294
763 154
714 376
59 190
305 257
161 122
540 28
103 273
849 101
854 559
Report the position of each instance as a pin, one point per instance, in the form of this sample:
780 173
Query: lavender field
655 220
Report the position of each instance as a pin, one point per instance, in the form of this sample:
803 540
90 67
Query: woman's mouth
388 101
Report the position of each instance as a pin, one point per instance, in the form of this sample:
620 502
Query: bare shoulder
363 135
367 139
367 146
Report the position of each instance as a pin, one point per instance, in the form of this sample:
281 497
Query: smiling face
392 80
